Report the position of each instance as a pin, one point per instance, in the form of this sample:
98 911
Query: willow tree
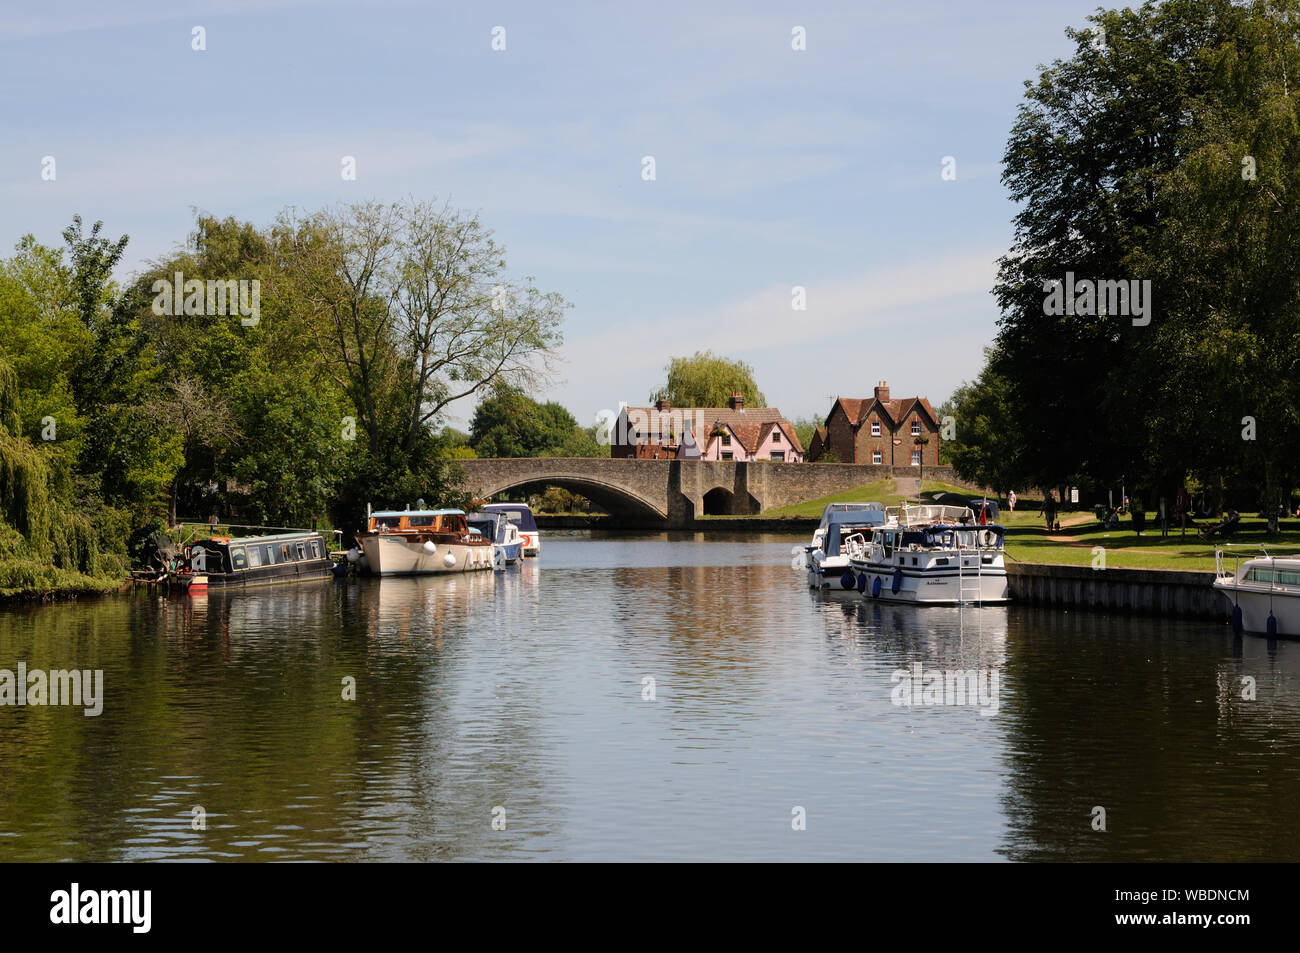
706 379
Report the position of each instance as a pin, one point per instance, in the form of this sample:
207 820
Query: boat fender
1236 620
862 583
429 547
846 580
354 555
449 560
898 581
1272 624
875 588
986 537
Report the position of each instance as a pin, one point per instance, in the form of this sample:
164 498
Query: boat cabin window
315 548
254 556
419 521
302 550
237 558
888 540
1280 577
286 555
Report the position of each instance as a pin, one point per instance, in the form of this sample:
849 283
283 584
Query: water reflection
527 691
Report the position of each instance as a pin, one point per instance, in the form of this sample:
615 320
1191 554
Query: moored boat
507 543
418 542
1261 594
522 517
819 534
933 555
223 562
844 533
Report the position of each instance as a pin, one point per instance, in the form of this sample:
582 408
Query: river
641 697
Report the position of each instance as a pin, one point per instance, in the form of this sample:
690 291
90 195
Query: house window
875 428
726 456
778 454
916 428
726 440
916 458
877 456
776 436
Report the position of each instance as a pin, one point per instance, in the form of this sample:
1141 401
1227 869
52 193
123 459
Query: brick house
880 430
734 432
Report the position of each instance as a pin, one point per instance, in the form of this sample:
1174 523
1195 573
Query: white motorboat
507 543
1262 594
804 554
937 555
844 532
522 517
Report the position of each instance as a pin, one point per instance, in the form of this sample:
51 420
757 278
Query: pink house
742 441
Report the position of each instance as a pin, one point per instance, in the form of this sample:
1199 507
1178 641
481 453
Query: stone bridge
673 492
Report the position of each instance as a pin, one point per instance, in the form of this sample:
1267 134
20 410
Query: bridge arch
615 500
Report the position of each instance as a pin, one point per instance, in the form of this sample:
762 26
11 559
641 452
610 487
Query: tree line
1165 149
123 407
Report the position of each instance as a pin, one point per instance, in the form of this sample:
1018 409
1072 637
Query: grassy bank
1028 541
882 491
24 580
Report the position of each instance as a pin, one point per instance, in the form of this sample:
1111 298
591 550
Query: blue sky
774 167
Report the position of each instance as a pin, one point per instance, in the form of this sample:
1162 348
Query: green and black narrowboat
224 562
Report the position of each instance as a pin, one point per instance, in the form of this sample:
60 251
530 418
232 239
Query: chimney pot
737 402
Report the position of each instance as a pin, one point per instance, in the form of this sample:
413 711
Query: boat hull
930 587
1256 606
390 554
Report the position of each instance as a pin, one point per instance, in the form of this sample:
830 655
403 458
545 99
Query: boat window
1260 575
238 559
941 561
1288 578
268 555
414 521
286 555
254 556
315 548
302 550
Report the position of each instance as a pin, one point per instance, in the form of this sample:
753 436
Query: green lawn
1027 541
882 491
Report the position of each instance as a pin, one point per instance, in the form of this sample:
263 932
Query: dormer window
875 428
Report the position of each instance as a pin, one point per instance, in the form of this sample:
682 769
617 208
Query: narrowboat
936 555
418 542
224 562
521 516
1262 595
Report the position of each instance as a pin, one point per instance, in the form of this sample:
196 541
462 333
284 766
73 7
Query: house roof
740 421
857 408
751 435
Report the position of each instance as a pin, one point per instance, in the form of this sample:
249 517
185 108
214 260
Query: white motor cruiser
842 533
1262 594
933 555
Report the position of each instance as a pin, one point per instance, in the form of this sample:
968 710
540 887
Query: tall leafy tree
707 380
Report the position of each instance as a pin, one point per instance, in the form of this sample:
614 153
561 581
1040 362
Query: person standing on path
1011 501
1049 509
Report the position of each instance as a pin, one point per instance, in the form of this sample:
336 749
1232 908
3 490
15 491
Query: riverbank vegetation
123 408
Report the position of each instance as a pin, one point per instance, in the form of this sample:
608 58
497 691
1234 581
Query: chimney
882 392
736 402
662 405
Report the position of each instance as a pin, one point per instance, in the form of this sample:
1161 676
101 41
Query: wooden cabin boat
224 562
416 542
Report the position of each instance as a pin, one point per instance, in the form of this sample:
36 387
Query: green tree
707 380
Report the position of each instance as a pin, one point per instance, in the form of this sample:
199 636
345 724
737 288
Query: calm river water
522 699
